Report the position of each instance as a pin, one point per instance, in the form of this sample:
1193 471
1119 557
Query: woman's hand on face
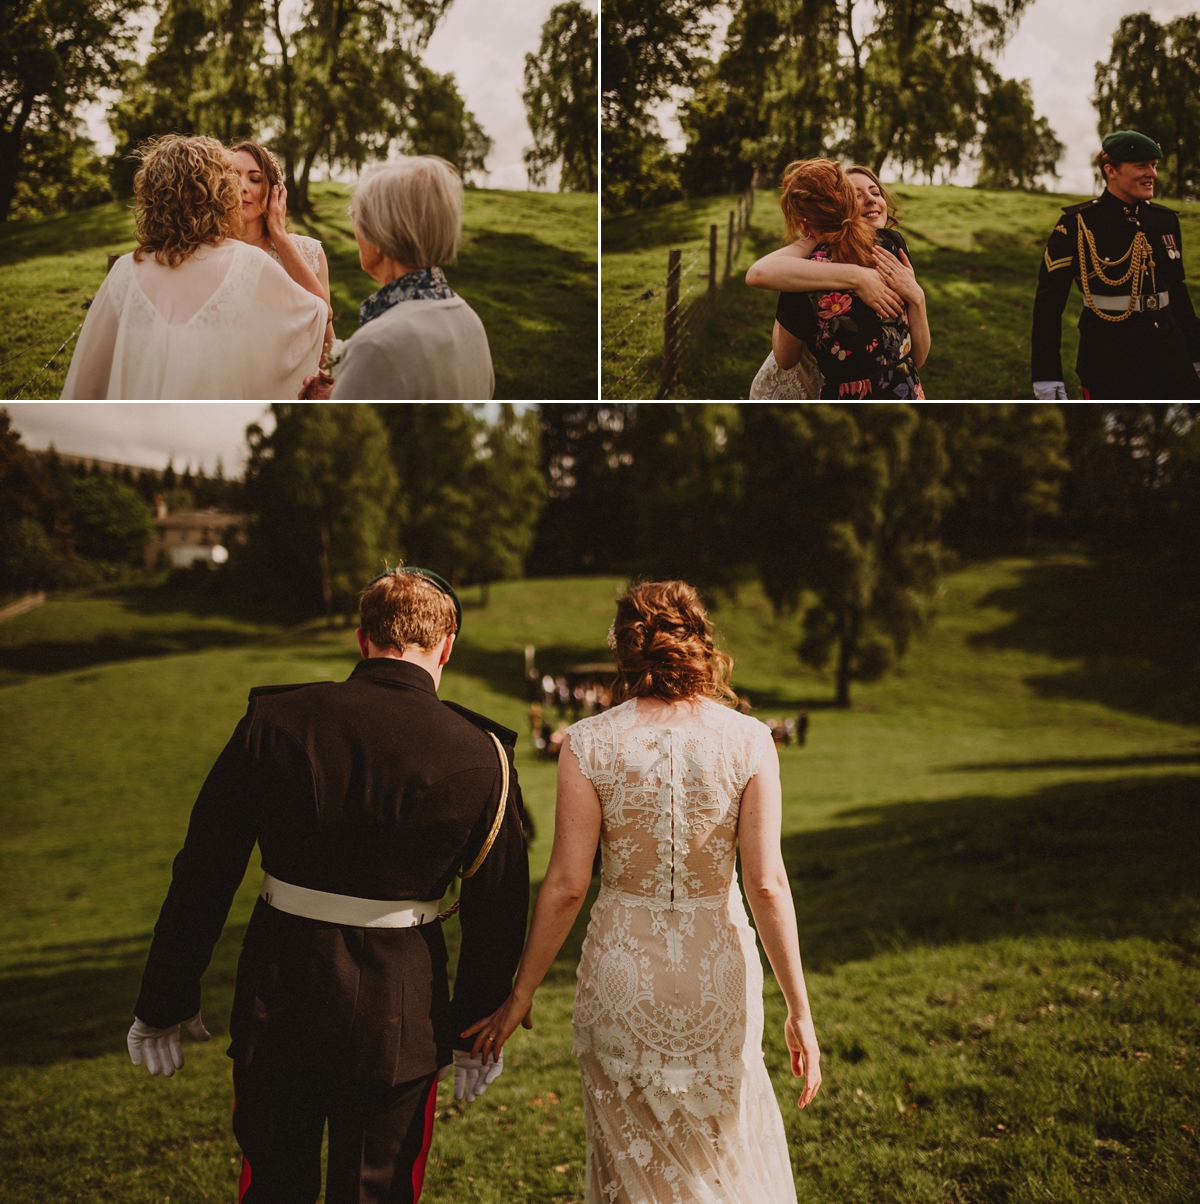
899 275
879 294
801 1040
495 1029
276 213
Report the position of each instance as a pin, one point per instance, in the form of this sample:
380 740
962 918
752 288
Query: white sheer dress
228 322
668 1008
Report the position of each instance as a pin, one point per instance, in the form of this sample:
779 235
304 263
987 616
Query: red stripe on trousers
418 1174
244 1177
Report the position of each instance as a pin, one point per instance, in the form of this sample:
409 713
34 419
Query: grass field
993 855
527 266
976 253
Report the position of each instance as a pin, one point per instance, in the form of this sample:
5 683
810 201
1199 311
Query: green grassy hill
993 856
527 266
976 253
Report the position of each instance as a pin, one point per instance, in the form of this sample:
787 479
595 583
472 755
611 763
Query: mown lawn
993 856
527 266
977 255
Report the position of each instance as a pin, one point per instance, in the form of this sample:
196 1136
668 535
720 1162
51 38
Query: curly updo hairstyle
186 196
664 646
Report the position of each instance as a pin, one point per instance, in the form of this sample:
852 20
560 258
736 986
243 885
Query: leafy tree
843 509
321 488
649 47
1018 149
342 79
54 55
561 98
1151 83
1006 467
590 521
113 523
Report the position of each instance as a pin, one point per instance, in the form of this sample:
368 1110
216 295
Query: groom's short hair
411 209
399 610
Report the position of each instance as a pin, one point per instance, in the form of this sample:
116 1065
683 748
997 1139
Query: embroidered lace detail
801 383
310 252
668 1008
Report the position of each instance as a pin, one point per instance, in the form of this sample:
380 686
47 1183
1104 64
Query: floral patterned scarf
424 284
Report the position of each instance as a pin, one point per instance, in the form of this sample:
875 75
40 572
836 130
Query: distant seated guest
417 339
194 312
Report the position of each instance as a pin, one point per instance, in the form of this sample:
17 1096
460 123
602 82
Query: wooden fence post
729 248
112 258
670 361
712 260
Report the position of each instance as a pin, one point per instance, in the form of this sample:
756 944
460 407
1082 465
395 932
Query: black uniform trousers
378 1136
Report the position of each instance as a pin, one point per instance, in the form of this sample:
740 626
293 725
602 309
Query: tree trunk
326 584
847 642
485 593
289 107
10 156
861 149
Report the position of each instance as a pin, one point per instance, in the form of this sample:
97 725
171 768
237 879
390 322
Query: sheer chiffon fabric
668 1008
228 322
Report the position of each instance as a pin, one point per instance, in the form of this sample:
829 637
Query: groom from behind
365 797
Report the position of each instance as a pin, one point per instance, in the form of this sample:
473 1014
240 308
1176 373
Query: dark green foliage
561 99
321 488
1151 83
60 173
843 506
343 84
54 55
1018 149
649 47
1007 463
112 522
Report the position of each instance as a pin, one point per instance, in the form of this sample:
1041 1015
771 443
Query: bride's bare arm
791 270
770 896
576 833
289 256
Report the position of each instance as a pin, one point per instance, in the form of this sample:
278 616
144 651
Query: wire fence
31 375
643 340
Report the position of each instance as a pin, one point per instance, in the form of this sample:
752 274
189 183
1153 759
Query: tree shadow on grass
681 222
103 226
1101 859
1136 652
76 1001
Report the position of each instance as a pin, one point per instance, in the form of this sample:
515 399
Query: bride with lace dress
194 312
668 1016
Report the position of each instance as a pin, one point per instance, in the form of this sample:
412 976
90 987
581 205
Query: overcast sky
484 43
1056 47
145 434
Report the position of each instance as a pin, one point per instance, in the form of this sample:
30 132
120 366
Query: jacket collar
1131 213
388 671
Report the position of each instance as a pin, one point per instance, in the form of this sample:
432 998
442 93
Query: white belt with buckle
346 909
1121 305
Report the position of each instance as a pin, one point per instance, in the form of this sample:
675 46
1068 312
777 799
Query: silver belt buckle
1152 301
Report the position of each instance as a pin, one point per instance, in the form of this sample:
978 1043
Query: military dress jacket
370 787
1147 354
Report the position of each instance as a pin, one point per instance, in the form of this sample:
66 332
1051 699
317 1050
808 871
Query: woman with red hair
668 1022
849 303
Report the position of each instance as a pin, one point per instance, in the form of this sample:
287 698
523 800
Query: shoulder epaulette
1162 208
263 691
1071 210
505 734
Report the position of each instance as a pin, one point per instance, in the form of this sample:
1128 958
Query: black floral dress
860 354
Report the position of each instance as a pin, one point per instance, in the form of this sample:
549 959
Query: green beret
1128 146
434 579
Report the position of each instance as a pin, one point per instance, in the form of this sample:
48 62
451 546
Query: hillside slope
527 265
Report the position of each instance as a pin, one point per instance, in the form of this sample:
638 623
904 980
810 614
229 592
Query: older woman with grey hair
417 339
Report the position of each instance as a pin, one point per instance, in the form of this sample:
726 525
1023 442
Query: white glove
473 1076
1197 367
160 1046
1049 390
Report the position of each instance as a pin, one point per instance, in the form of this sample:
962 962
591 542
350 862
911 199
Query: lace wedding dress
801 383
668 1009
225 323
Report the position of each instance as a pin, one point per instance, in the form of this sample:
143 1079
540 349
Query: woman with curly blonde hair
194 312
668 1021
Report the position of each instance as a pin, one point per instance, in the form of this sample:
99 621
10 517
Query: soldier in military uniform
365 798
1138 333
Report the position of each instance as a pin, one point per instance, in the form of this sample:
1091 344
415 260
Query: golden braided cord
1140 256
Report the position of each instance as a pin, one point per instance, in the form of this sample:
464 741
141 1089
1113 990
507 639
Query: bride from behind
668 1009
194 312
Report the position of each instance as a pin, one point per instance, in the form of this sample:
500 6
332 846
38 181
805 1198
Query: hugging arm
899 276
791 270
563 890
769 894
